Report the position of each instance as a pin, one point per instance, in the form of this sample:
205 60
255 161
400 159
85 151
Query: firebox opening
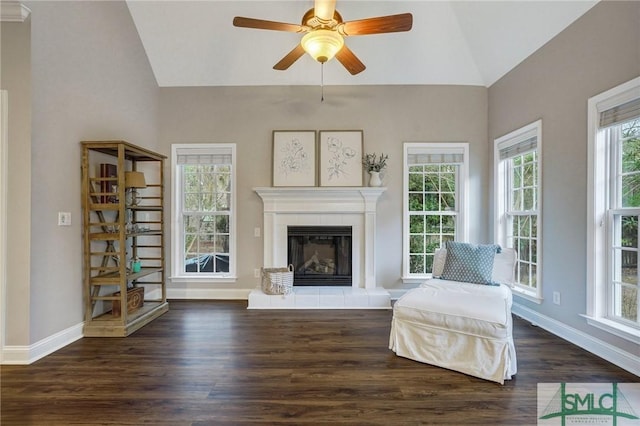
320 255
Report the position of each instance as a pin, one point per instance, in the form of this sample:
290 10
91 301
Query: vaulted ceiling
193 43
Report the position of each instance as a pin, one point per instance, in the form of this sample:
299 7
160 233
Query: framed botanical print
341 157
294 158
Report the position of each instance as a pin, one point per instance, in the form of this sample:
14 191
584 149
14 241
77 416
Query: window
614 210
203 243
518 203
435 191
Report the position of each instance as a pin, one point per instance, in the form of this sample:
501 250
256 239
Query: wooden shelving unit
115 233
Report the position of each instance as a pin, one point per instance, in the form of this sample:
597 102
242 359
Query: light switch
256 232
64 218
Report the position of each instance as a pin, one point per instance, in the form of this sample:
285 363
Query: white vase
374 179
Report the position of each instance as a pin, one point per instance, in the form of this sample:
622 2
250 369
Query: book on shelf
107 171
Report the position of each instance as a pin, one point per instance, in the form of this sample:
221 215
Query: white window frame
177 234
462 196
501 185
598 194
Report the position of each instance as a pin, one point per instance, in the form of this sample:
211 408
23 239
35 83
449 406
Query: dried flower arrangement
372 163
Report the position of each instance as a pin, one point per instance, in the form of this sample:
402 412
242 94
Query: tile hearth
315 297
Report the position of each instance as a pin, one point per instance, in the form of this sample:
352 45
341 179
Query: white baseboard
604 350
24 355
15 355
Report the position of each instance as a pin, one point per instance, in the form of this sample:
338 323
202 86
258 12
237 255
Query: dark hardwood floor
216 363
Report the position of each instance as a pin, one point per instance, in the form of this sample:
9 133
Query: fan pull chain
322 82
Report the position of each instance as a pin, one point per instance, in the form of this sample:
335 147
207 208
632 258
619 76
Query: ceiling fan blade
379 25
261 24
289 58
323 9
350 60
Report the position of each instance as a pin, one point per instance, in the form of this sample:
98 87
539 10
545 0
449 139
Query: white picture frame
340 157
294 158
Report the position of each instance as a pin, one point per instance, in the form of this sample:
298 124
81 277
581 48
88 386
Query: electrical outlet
556 297
256 273
256 232
64 219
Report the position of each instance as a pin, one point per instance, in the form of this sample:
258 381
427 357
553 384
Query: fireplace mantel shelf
320 199
270 192
320 189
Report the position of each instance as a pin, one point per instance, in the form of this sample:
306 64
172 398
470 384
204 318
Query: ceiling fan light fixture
322 45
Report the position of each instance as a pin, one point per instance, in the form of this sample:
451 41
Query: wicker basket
277 280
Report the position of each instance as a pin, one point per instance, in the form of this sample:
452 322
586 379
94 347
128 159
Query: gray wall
388 115
90 79
597 52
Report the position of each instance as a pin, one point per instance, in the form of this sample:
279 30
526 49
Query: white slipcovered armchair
462 326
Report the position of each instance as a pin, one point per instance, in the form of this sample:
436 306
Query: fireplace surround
353 207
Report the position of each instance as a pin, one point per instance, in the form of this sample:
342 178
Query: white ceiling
193 43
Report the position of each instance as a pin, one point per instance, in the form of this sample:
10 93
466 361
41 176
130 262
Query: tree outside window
624 280
207 201
518 203
203 238
432 213
613 210
434 206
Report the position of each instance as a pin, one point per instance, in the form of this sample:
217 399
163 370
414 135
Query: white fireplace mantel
329 206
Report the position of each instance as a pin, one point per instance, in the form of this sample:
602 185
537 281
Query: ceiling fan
325 31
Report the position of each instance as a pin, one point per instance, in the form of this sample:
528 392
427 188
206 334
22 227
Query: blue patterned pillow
472 263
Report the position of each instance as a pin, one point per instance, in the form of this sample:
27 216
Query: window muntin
522 216
623 213
432 212
518 195
613 211
206 212
203 243
435 181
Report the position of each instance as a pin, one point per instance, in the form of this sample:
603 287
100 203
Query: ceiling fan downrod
321 82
